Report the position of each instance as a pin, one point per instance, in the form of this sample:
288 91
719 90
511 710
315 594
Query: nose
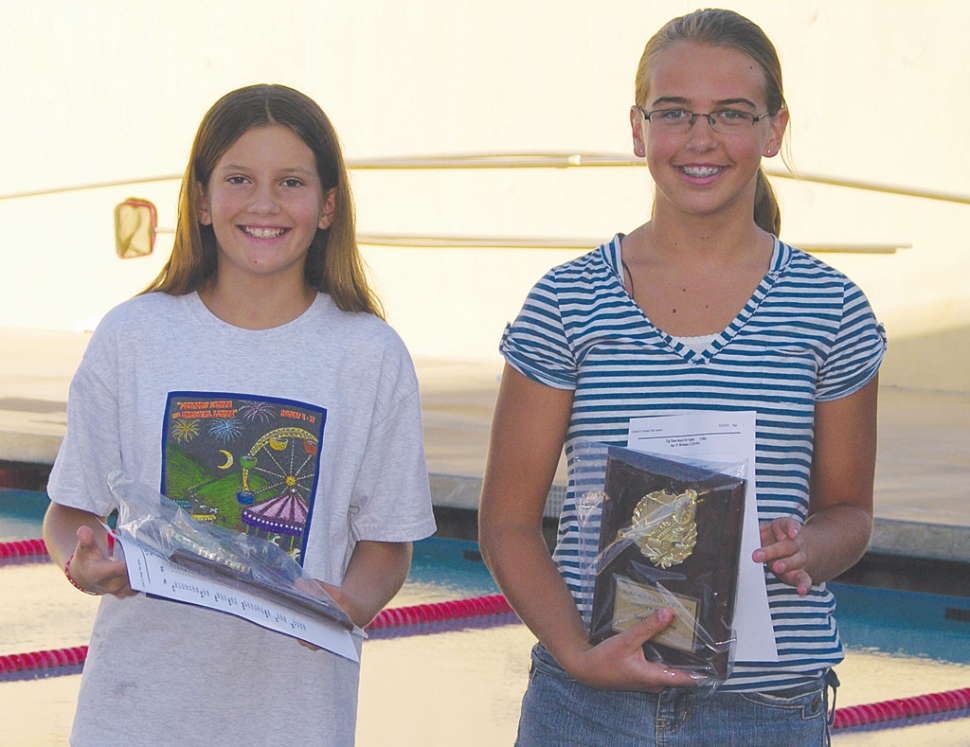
264 199
701 134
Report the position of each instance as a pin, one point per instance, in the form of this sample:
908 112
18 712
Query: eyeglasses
681 120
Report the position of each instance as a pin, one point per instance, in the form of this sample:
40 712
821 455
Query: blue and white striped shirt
806 335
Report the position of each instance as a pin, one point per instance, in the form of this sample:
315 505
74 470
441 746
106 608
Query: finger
802 582
772 531
112 578
767 535
85 538
773 551
798 578
779 540
651 626
306 585
783 529
87 547
332 590
785 565
667 677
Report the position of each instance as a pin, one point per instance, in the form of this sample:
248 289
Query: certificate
158 576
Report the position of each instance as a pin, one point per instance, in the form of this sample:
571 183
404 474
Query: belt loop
831 680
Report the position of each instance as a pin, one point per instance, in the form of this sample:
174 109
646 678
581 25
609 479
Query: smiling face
265 203
703 172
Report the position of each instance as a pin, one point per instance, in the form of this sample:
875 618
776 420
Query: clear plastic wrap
667 533
248 563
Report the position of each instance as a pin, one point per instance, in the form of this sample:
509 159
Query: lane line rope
434 617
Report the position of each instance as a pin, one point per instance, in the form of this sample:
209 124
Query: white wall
101 90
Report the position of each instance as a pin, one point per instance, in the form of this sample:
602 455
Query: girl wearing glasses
700 308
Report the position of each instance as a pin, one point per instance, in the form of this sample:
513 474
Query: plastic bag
248 563
667 533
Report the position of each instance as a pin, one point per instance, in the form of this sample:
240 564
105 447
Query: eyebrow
681 101
243 167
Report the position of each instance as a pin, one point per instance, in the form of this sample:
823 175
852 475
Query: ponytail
767 214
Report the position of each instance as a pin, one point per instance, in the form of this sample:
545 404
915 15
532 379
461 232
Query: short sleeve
391 499
91 448
857 351
536 343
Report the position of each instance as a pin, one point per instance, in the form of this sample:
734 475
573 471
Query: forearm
72 533
835 538
520 562
839 522
60 531
376 572
528 431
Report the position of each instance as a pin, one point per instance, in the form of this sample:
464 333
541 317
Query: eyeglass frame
694 115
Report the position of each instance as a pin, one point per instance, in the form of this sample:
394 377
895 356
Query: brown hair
725 28
333 263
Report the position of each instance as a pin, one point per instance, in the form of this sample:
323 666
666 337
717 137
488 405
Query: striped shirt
806 335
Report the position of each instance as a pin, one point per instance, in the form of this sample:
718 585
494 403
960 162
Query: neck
257 303
708 240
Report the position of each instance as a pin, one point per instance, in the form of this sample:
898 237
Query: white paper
154 574
726 437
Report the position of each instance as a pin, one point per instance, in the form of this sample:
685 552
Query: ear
779 123
202 207
329 208
636 125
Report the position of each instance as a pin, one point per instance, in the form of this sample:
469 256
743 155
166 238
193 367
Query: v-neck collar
611 253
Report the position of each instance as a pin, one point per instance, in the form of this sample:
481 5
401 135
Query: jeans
558 711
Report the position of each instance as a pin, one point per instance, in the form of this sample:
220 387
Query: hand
94 572
783 551
618 662
335 593
345 601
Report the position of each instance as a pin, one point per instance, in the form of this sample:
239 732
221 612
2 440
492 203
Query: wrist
75 584
356 609
572 657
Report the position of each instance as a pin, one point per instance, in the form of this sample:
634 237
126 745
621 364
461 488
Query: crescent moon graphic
229 459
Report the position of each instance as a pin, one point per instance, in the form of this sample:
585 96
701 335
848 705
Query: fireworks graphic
226 430
254 411
185 430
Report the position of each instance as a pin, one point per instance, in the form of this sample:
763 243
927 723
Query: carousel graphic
285 460
249 465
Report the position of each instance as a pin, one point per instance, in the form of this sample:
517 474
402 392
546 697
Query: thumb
652 625
86 544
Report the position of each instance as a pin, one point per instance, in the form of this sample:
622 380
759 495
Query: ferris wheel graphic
285 459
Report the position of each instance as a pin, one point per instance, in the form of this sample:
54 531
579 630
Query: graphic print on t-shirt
248 464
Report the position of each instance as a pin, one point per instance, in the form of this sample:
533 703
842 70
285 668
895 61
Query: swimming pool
464 686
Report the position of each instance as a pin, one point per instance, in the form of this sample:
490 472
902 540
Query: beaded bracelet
75 584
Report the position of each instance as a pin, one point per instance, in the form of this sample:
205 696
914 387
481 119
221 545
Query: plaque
670 536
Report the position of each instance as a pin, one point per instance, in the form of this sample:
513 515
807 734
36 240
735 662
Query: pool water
464 686
21 514
926 626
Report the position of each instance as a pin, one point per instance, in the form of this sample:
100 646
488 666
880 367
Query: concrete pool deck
922 469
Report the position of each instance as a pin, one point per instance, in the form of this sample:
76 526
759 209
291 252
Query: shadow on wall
937 362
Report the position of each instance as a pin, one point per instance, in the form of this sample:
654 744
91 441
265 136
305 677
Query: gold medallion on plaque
663 527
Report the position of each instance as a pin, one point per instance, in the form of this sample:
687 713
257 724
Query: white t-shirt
308 434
